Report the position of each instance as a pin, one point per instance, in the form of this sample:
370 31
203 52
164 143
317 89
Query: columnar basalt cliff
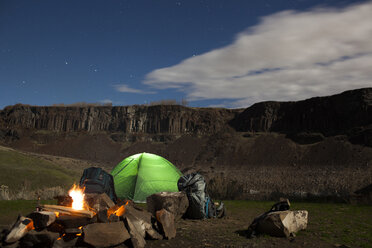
318 146
171 119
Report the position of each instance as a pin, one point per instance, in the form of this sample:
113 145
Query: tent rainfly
144 174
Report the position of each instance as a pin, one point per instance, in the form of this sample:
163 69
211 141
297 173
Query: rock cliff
171 119
319 146
329 115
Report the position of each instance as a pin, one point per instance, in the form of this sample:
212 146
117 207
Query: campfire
81 219
77 195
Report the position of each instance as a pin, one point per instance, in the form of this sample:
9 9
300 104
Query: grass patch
334 223
20 171
339 223
11 209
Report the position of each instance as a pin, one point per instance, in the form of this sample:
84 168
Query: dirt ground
230 232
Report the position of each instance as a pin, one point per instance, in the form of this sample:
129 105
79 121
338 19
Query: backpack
95 180
201 205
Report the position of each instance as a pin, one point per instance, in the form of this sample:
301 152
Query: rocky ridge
321 145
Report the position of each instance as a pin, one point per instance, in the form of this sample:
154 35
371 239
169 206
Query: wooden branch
68 210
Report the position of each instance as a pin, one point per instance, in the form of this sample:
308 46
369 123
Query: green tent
144 174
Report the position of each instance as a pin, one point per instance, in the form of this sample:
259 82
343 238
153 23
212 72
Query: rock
283 223
20 228
174 202
72 221
113 218
42 219
99 201
138 213
67 242
136 230
12 245
166 220
73 231
102 216
39 239
152 233
64 200
142 222
105 234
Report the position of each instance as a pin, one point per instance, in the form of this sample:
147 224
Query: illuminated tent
144 174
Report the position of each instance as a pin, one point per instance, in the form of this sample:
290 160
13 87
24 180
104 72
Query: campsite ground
330 225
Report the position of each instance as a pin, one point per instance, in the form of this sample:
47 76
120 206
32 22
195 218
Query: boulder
167 225
105 234
174 202
283 223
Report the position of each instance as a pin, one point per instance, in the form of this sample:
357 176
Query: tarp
144 174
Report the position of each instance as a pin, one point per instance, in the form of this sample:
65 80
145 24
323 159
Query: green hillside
23 171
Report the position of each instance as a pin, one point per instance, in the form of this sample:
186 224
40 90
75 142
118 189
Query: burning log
42 219
20 228
68 210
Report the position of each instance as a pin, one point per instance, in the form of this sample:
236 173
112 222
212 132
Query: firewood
42 219
22 226
74 221
166 220
68 210
174 202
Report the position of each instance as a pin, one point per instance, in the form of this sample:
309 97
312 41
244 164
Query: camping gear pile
279 221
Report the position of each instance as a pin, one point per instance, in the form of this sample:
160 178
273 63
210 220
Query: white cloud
106 101
287 56
125 88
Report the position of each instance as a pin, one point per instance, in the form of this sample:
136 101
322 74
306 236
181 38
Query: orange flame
30 226
77 195
118 211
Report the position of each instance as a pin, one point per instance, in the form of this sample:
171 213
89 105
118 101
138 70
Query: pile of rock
105 224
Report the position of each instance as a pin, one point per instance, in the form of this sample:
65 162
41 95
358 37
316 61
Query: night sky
212 53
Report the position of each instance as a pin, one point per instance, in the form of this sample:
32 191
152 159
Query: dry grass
270 183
